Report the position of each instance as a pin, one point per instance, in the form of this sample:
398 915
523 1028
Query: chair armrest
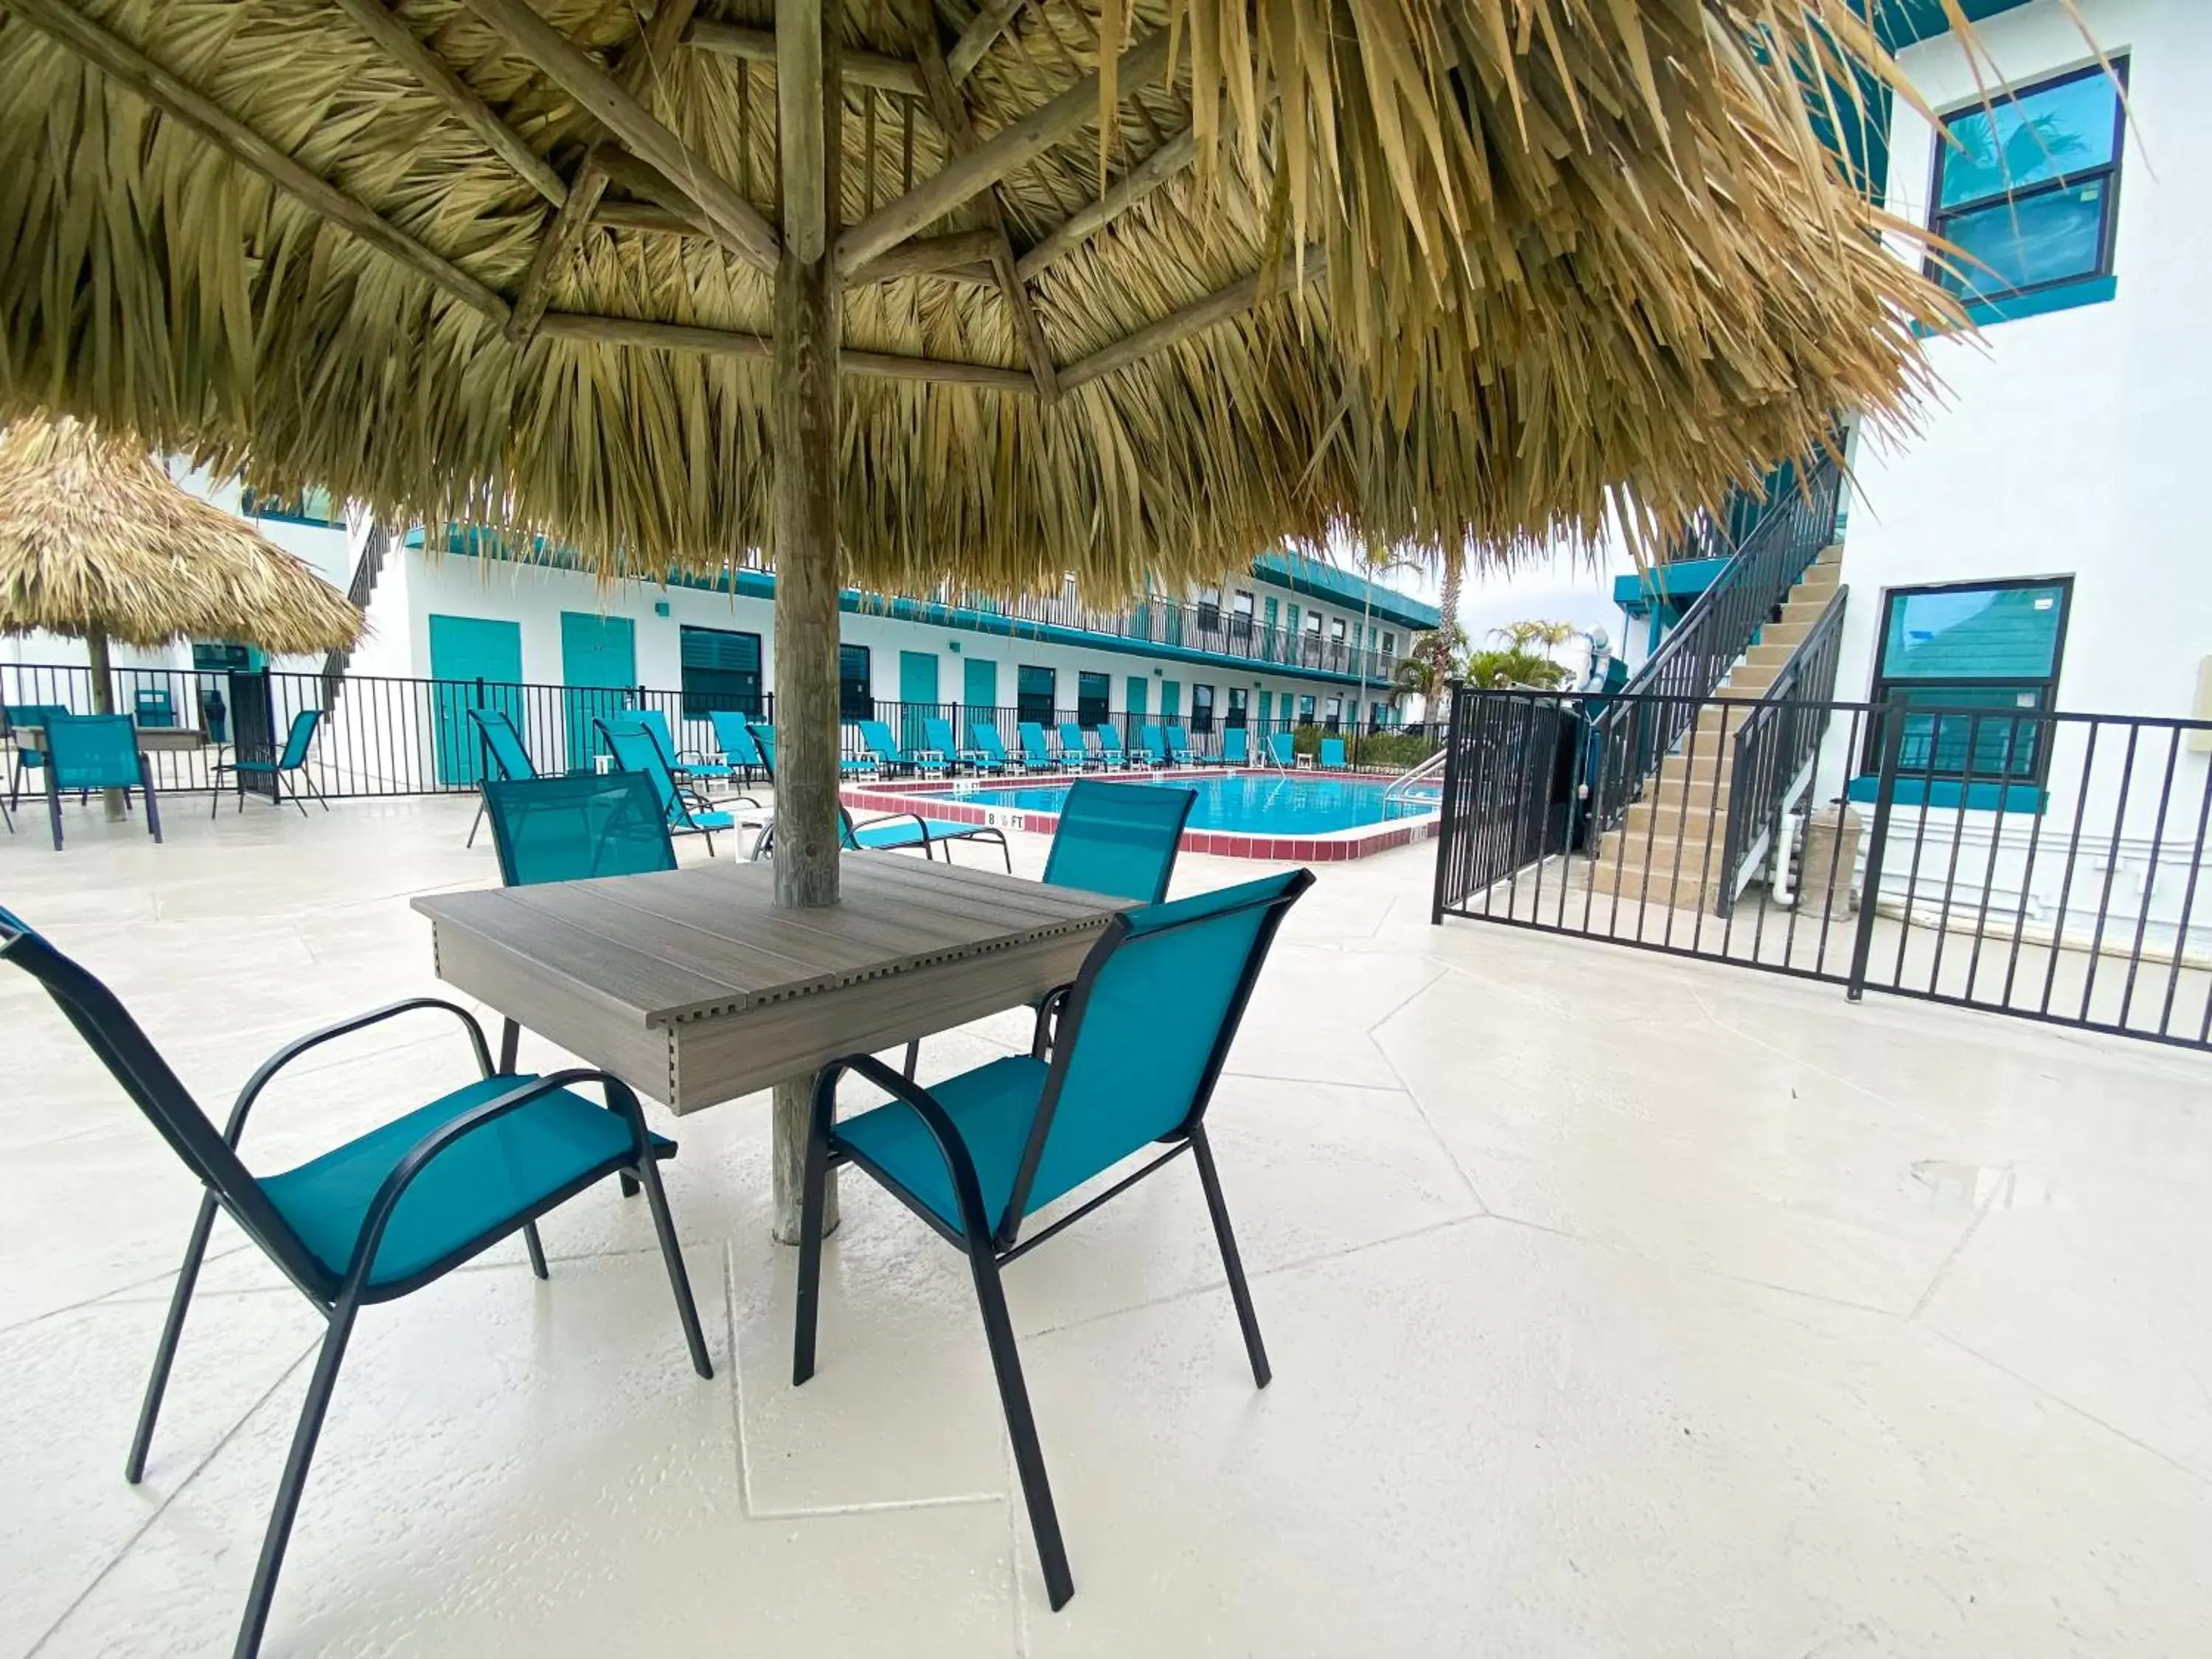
620 1100
291 1051
919 822
1049 1009
924 1105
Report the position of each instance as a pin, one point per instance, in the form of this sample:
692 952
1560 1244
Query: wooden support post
805 438
103 702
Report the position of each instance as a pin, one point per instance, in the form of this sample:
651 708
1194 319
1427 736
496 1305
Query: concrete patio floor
1618 1306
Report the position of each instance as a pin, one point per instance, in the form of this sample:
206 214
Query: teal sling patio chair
1111 755
1236 750
687 775
636 749
371 1220
504 756
1282 749
1179 748
1155 749
896 832
943 747
96 751
687 765
35 715
1118 839
991 748
292 764
876 737
1332 754
1036 756
1074 751
1145 1029
741 750
765 740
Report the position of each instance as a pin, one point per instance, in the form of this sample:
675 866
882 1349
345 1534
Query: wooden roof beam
1141 181
402 45
955 255
125 63
759 348
641 179
1202 314
737 223
866 69
981 34
1010 146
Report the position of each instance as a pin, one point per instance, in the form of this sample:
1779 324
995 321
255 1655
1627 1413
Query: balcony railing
1205 628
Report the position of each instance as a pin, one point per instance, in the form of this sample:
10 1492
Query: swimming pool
1253 803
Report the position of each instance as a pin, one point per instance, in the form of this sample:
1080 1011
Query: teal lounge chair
896 832
375 1217
741 750
1332 754
504 755
990 748
293 763
1075 749
1111 755
96 751
943 746
1282 749
1236 750
35 715
1179 748
687 764
635 751
876 738
764 735
1036 757
1142 1037
1155 750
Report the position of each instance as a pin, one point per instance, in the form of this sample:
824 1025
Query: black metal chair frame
114 1037
990 1243
274 772
764 843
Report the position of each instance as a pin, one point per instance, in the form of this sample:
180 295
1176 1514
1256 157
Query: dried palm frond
96 542
1577 255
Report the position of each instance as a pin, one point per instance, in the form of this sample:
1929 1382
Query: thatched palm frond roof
96 540
1457 273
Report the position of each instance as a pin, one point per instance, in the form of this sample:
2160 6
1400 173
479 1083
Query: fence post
1458 706
1892 716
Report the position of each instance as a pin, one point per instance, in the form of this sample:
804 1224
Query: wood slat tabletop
664 950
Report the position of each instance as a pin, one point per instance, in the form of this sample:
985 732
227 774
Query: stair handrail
1774 747
1430 768
1661 699
375 544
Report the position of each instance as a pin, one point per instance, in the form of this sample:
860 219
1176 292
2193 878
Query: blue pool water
1260 803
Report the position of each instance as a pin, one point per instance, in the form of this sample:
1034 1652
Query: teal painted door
918 692
1267 710
464 650
1171 699
1141 696
598 663
979 688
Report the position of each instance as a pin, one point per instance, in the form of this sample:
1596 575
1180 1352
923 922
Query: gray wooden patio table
694 987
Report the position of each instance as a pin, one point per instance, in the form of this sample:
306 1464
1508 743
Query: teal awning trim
1676 584
1318 580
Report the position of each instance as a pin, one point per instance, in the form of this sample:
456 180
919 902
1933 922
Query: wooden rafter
736 222
862 68
952 115
1010 146
957 254
977 38
651 218
1147 176
401 44
759 348
643 179
125 63
557 248
1180 326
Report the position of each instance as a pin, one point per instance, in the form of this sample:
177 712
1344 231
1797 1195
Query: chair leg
152 816
687 1311
277 780
214 791
813 1198
316 790
475 824
1231 1262
134 1467
536 1248
1021 1427
295 1479
912 1053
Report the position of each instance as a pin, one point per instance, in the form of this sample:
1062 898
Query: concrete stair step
1691 822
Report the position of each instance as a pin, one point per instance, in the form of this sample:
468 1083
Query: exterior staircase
1672 845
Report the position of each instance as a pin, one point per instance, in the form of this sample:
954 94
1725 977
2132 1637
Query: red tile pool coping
940 800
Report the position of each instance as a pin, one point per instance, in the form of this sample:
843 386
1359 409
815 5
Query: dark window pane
1991 745
2048 134
2045 239
854 702
721 670
1974 633
1092 692
1201 709
1036 689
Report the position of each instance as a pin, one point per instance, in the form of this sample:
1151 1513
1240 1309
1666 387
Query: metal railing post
1891 715
1445 807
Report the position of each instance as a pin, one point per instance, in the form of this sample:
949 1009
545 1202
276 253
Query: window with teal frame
1987 655
1036 691
315 507
2026 188
855 701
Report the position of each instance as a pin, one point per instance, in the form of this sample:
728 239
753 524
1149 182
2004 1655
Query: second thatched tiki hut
917 290
97 543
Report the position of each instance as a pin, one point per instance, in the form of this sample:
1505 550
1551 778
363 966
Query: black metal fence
389 736
2046 865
